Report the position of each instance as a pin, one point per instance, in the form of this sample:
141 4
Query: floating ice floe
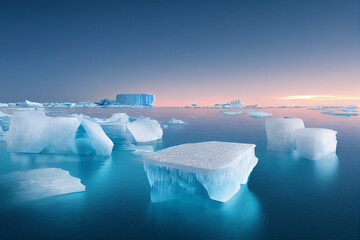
229 113
85 105
280 133
39 183
175 121
315 143
347 113
34 132
218 167
352 107
259 114
4 105
145 130
33 104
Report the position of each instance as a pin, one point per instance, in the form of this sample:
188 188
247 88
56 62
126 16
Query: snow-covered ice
220 167
39 183
280 133
145 130
259 114
34 132
315 143
230 113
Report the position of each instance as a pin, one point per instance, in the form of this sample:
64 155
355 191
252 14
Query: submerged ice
39 183
218 167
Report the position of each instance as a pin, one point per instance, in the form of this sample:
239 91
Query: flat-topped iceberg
145 130
219 167
39 183
34 132
280 133
146 100
259 114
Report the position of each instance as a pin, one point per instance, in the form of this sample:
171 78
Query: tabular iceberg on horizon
218 167
146 100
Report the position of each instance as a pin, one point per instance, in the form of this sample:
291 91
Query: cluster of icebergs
215 170
289 134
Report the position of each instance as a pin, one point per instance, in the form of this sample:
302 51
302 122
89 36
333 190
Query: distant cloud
321 97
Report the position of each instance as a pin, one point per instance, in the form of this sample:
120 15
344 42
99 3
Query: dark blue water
287 197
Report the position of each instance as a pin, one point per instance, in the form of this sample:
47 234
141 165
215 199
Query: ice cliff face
146 100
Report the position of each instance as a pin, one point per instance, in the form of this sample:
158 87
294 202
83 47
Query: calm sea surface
287 197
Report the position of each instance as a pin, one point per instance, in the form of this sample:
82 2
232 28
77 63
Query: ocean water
286 197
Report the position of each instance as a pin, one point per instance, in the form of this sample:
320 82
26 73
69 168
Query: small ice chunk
229 113
220 167
175 121
280 133
4 105
259 114
33 104
145 130
315 143
141 149
39 183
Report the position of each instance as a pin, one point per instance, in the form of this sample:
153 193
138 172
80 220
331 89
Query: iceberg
280 133
315 143
259 114
146 100
145 130
34 132
236 104
217 167
228 113
39 183
4 105
175 121
33 104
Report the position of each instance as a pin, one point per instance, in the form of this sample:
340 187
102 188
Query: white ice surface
280 133
315 143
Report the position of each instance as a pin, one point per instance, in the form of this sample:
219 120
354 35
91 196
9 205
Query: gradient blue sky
184 52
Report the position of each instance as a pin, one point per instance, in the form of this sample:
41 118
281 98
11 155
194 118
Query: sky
184 52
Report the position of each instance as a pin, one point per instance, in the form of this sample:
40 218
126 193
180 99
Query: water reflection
327 167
